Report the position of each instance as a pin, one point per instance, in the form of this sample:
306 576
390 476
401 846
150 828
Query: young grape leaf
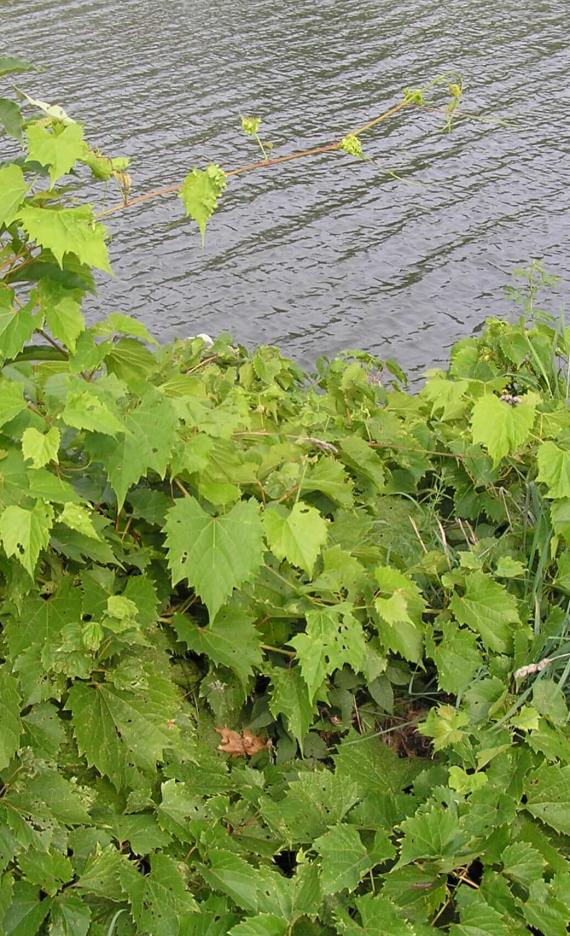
78 518
297 535
84 410
25 532
11 400
67 231
554 470
200 192
400 612
215 554
333 639
501 427
40 448
445 725
13 188
58 151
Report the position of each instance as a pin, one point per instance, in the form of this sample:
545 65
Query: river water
330 253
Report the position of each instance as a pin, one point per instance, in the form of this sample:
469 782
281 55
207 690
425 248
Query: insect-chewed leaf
160 902
548 796
215 554
25 532
200 192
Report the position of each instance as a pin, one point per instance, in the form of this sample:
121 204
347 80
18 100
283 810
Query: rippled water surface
333 253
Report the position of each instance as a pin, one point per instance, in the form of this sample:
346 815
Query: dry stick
264 163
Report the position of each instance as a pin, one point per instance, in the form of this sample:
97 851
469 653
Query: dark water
332 253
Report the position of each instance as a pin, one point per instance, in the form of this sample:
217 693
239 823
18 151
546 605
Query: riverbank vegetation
281 653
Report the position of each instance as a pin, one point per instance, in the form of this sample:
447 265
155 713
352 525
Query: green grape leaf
9 65
11 118
114 727
401 612
13 188
263 924
500 427
40 448
445 725
344 859
160 902
457 658
312 803
10 723
25 532
215 554
70 916
16 327
232 640
548 698
49 870
380 915
78 518
26 912
62 310
68 231
554 470
548 796
200 192
290 698
102 874
11 400
84 410
522 863
488 609
333 639
297 535
478 918
432 834
149 436
58 151
232 875
329 477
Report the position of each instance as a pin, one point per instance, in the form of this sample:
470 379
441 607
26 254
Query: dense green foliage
375 581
